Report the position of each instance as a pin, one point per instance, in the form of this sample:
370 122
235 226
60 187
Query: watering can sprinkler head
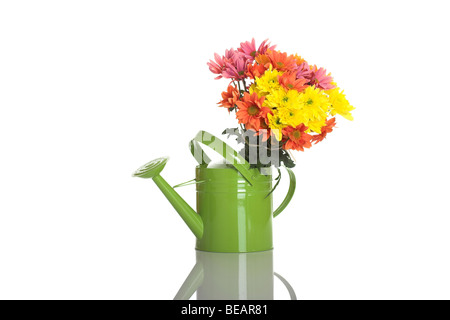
152 170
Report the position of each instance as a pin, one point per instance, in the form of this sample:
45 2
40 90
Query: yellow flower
253 89
281 98
314 106
316 125
290 116
276 124
268 81
339 103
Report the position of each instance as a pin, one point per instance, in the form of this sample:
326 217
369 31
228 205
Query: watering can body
237 216
234 201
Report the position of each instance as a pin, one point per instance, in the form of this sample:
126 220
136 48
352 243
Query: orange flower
229 98
288 80
299 60
264 129
298 139
251 111
263 60
255 70
326 129
281 61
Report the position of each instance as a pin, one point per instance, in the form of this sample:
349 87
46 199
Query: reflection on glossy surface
232 276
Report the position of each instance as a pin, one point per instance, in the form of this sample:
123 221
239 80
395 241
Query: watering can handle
290 194
227 152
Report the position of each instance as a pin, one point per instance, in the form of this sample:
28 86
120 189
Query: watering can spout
190 217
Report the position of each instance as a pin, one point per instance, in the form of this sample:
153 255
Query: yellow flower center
310 101
296 134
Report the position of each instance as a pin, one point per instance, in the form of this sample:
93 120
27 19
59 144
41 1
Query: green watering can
234 201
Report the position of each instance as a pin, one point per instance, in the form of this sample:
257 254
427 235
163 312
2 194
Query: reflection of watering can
232 276
234 202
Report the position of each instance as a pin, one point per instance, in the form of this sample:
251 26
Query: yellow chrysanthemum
314 106
276 124
290 116
316 125
281 98
253 89
268 82
339 103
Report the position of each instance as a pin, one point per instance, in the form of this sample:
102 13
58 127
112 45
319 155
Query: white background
91 90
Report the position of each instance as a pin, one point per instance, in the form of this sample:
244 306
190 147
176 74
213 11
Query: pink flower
233 65
219 65
229 54
263 47
236 67
249 49
304 71
321 79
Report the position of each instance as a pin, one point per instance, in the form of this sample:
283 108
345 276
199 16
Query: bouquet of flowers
280 99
